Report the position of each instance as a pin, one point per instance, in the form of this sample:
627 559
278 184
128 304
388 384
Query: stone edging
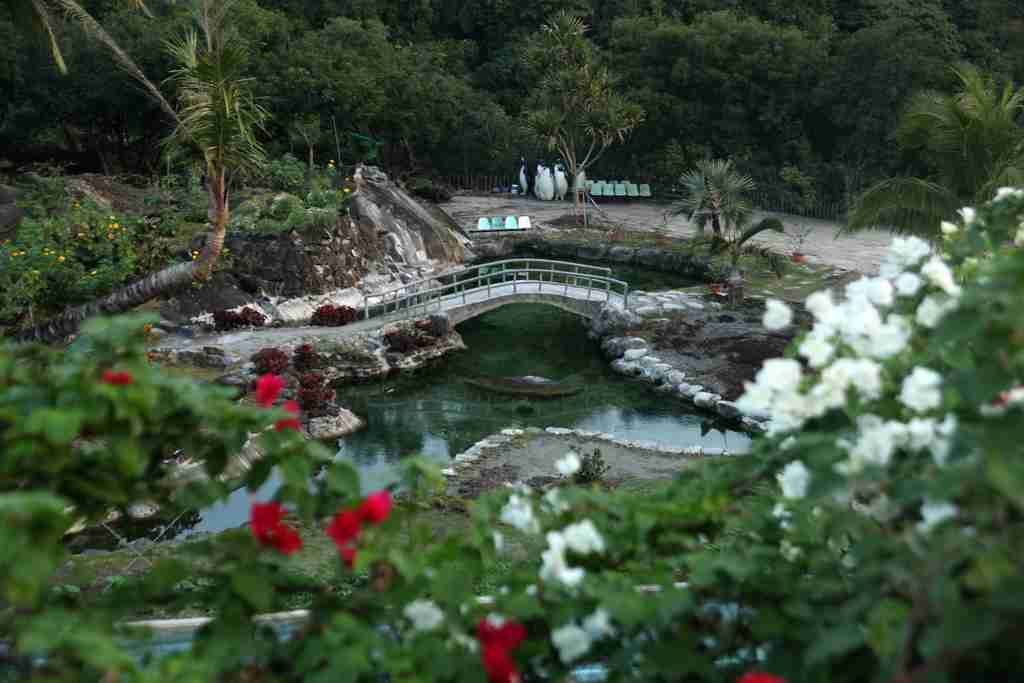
482 448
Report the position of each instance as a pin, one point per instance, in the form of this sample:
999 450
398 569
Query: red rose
291 423
376 507
344 528
348 556
268 387
117 378
760 677
499 665
508 635
265 520
287 540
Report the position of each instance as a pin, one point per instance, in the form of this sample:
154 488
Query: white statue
561 183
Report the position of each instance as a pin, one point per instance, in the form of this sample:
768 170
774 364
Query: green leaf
253 586
59 426
887 625
835 643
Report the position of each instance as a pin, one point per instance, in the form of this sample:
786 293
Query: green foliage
901 568
592 468
285 173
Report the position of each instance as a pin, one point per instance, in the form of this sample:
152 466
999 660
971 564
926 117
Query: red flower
499 665
496 652
344 528
291 423
376 507
120 379
265 519
268 387
760 677
508 635
348 556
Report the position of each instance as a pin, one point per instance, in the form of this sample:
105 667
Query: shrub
334 316
592 468
286 173
306 358
230 320
401 342
272 360
429 189
314 394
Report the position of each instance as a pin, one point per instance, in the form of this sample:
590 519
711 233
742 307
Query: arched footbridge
464 294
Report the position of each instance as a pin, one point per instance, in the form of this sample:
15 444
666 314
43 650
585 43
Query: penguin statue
546 184
537 181
561 183
523 185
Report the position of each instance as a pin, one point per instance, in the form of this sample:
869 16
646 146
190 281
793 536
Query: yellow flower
61 259
347 190
92 273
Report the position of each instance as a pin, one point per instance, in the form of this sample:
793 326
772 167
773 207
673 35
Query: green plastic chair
645 190
597 190
632 190
483 224
511 223
497 223
620 189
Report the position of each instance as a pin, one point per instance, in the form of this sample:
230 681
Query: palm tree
715 191
42 16
972 143
217 118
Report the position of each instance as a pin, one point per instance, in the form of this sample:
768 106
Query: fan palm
971 141
216 120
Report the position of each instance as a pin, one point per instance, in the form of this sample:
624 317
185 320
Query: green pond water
436 414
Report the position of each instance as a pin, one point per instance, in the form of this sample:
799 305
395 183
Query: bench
503 224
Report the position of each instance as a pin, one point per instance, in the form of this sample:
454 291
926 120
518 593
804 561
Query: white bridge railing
483 282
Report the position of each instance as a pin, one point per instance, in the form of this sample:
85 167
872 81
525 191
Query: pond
436 413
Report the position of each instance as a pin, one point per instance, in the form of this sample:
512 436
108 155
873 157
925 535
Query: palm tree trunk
124 299
148 288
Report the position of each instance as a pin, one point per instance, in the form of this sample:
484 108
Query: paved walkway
860 252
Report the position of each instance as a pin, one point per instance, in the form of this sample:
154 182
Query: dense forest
803 94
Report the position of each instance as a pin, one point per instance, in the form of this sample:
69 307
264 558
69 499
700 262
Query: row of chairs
618 188
486 224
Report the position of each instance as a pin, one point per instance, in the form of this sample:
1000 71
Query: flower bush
231 320
271 360
872 535
329 315
314 394
306 358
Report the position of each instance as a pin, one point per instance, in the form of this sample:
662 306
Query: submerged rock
345 422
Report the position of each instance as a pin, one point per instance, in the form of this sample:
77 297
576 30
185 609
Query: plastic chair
632 190
483 224
524 223
620 190
645 190
597 190
511 223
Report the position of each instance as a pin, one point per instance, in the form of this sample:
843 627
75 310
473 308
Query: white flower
933 309
933 514
571 641
889 339
424 615
599 624
777 315
968 214
877 290
876 442
816 349
949 228
780 374
908 284
465 641
879 509
583 538
531 590
821 306
519 513
554 567
789 551
921 390
939 274
861 373
1018 240
554 500
780 513
903 253
568 465
1004 192
921 432
499 541
793 479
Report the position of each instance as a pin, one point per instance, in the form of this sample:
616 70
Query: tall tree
217 118
576 108
969 143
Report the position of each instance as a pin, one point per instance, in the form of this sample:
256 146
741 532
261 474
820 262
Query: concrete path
860 252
